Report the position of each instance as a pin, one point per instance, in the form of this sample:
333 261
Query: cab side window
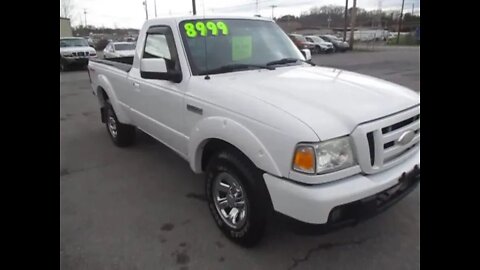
159 43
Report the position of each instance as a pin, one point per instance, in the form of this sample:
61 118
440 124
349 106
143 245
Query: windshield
316 39
299 38
74 42
333 38
234 41
125 47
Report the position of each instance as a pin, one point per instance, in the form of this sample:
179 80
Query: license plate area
405 181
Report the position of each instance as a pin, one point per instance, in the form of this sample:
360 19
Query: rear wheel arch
106 93
102 96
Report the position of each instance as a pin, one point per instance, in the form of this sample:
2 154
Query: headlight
324 157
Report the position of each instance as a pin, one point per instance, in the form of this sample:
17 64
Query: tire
229 166
122 135
318 50
63 66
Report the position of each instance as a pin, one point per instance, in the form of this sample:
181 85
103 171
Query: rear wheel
237 197
122 135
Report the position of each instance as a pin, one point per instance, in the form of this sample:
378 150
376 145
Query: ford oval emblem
406 137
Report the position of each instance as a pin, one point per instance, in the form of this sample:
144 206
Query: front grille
387 140
400 124
81 54
371 147
391 134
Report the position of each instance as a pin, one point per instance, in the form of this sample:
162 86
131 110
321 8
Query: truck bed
123 63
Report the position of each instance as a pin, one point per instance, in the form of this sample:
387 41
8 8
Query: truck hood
332 102
77 49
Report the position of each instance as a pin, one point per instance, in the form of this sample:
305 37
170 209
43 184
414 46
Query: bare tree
66 8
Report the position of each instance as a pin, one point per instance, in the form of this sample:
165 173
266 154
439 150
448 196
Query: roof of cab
201 17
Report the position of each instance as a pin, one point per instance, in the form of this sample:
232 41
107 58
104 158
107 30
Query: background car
119 49
339 44
301 42
321 46
90 42
75 51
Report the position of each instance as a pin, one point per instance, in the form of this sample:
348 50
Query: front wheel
237 197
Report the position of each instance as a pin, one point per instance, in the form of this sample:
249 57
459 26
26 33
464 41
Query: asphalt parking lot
142 207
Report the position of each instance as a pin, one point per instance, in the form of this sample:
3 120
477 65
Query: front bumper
77 60
318 204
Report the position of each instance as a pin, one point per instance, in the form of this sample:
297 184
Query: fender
104 83
234 133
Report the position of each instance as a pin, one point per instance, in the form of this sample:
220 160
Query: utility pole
413 9
273 6
85 12
400 22
329 20
380 13
146 10
256 7
194 7
155 4
345 22
352 22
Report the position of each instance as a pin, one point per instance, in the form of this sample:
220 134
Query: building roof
62 18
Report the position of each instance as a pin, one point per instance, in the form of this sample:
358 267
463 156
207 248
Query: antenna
207 77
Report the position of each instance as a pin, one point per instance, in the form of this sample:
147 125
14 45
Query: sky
131 13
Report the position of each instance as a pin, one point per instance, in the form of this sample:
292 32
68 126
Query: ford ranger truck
272 132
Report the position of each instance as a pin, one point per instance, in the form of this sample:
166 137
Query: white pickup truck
272 132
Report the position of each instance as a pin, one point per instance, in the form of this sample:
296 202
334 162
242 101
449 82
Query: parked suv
321 46
302 43
75 51
339 44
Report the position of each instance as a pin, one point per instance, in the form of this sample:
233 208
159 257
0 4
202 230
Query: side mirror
156 68
307 54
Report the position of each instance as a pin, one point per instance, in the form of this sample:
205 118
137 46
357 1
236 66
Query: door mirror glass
157 65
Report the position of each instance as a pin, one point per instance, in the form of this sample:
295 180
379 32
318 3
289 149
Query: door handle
136 86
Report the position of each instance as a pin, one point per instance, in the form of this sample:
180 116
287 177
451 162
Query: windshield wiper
234 67
284 61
